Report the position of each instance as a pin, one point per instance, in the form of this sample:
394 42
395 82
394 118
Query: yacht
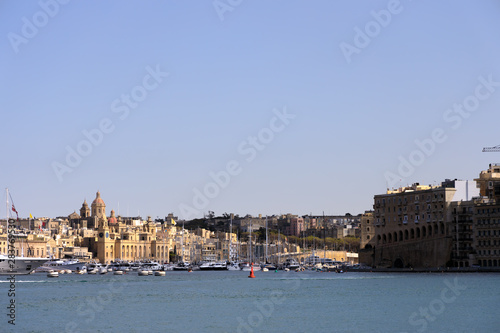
61 264
19 265
247 267
234 266
291 263
182 266
151 266
214 266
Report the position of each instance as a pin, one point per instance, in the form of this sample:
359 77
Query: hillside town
455 224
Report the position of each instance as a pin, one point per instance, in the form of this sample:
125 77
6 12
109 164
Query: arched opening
395 236
389 238
412 233
384 239
418 232
406 234
400 235
378 239
398 263
430 230
424 232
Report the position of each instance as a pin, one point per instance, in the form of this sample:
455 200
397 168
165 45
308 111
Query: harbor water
272 302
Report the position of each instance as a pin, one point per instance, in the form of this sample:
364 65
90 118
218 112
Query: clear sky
292 106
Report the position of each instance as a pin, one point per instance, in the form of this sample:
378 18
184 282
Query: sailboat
10 262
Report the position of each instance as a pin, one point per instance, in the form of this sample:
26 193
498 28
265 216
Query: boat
118 272
92 265
247 267
61 264
103 270
143 273
94 271
11 264
160 273
19 265
291 263
214 266
52 274
152 266
234 266
182 266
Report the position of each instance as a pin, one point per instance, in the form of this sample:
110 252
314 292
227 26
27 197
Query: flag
14 210
172 221
31 216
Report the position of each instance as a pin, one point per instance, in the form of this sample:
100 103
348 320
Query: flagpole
7 209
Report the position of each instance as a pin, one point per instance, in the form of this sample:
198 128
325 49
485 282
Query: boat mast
251 254
266 240
182 243
324 235
6 209
230 239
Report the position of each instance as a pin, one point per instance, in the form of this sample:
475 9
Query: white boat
213 266
291 263
182 266
118 272
92 265
61 264
234 267
160 273
143 273
94 271
152 266
19 265
246 267
103 270
52 274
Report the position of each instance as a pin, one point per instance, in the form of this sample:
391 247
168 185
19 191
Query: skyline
270 108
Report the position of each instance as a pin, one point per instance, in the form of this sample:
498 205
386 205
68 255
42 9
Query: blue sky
352 117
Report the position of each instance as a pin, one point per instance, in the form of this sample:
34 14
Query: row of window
488 233
488 252
488 221
487 211
410 234
489 263
489 243
415 199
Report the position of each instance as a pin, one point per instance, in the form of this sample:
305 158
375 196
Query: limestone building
412 226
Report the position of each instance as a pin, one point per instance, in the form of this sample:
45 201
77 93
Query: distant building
412 226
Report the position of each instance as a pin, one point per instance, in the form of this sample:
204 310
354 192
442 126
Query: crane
491 149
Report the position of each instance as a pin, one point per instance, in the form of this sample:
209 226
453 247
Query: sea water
272 302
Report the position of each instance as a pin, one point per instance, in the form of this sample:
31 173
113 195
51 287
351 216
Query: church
116 239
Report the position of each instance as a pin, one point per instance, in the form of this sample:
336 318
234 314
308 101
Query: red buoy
252 276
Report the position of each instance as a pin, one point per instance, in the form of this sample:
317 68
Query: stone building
412 226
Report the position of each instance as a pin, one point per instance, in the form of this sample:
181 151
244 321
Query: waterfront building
412 226
486 218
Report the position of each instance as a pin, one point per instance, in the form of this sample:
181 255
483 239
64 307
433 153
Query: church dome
112 218
98 200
